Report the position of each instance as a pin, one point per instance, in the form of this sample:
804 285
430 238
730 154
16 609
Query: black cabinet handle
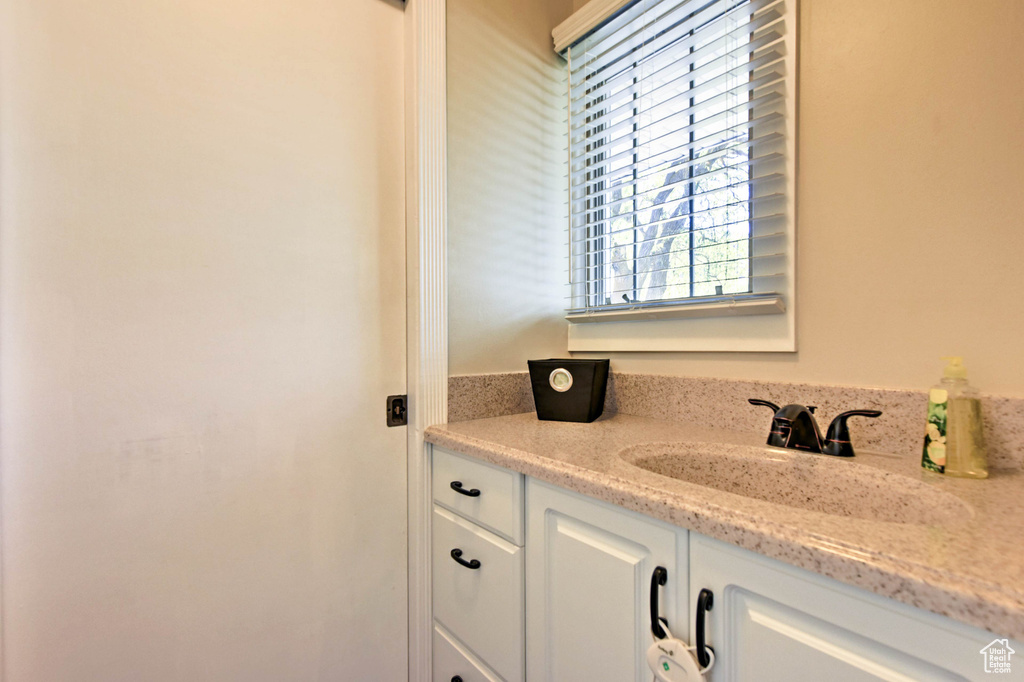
705 600
457 678
658 578
472 563
457 487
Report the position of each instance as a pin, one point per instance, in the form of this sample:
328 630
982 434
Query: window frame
757 322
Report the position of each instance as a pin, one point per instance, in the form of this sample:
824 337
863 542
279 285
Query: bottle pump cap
955 369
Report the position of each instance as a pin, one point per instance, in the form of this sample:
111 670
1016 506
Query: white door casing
426 227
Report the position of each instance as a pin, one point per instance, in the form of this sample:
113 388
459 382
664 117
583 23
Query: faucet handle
778 434
755 401
837 440
859 413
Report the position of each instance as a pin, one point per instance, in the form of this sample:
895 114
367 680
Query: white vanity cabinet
589 568
773 622
562 594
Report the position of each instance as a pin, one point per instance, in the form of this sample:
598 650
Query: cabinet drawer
482 607
452 659
499 506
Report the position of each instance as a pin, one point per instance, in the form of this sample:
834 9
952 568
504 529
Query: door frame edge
426 296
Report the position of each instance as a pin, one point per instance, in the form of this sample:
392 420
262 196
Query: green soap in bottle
954 443
933 457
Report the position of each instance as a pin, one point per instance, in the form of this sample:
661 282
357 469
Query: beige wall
911 225
202 239
506 184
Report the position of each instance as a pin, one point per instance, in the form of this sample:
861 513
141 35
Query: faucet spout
799 429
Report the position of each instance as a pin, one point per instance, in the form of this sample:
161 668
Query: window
680 160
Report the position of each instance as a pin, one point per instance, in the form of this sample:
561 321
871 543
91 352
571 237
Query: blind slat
718 280
750 124
587 121
582 314
576 209
725 116
585 268
644 274
657 75
594 57
617 176
641 29
583 220
656 114
590 240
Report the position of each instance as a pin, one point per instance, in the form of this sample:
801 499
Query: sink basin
805 481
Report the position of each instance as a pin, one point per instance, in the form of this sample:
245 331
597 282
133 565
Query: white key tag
672 660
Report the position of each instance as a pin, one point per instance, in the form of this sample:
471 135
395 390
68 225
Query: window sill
759 326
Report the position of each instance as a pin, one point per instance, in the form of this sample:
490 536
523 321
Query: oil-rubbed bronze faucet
794 427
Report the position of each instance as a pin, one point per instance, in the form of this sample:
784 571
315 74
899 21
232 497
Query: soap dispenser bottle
954 442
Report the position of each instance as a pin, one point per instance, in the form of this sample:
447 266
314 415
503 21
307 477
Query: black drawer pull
472 563
457 487
457 678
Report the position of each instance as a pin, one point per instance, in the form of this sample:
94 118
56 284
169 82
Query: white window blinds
678 160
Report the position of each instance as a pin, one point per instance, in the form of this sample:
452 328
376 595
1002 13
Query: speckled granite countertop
970 567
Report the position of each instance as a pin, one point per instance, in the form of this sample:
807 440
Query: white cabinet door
772 622
588 580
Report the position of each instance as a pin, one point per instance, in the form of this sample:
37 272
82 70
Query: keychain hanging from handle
671 659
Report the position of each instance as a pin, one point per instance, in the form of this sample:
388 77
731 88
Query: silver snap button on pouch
560 380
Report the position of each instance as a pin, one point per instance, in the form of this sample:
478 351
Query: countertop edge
980 605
